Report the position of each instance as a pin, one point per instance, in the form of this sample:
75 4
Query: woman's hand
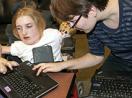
5 63
48 67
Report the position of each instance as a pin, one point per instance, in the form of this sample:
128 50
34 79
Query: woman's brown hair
34 14
62 9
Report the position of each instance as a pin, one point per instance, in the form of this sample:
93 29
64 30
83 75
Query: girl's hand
5 63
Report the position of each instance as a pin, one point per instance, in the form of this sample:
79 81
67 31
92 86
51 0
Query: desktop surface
65 82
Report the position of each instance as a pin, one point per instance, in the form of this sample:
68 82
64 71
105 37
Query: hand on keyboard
5 64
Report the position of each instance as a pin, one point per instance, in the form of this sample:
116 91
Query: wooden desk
65 81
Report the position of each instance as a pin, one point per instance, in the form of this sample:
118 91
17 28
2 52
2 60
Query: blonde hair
34 14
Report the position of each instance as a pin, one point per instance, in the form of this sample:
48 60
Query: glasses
75 23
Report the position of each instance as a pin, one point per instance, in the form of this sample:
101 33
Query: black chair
68 46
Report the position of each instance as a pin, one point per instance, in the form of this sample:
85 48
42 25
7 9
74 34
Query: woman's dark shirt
119 40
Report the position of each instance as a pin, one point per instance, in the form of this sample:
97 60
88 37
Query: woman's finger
36 67
39 71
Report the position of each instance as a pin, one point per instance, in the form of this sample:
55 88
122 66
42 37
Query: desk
65 81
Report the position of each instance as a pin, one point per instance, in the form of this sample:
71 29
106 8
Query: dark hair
23 3
62 9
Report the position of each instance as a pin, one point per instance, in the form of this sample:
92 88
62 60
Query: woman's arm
85 61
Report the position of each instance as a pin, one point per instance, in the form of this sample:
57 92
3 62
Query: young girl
29 26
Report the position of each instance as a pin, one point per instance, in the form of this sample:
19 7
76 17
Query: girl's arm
4 49
0 50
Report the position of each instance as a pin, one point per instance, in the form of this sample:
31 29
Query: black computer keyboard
110 87
22 84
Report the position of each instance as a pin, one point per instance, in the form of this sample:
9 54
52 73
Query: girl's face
27 30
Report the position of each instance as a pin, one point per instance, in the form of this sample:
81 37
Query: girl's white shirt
50 37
